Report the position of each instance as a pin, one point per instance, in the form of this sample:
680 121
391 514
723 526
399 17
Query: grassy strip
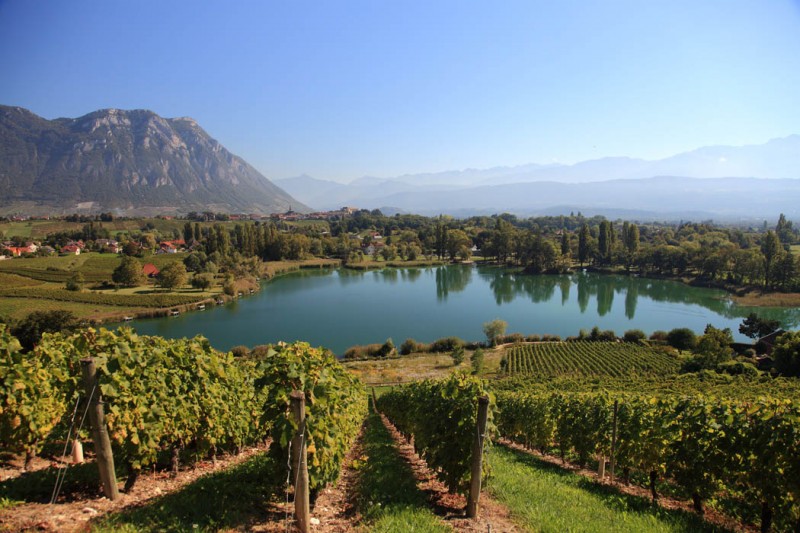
271 269
545 497
388 496
232 499
100 298
372 265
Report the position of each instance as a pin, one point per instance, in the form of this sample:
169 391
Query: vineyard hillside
585 358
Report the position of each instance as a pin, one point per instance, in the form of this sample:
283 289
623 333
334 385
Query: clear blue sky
342 89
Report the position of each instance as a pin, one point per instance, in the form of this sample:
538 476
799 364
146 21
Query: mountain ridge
130 162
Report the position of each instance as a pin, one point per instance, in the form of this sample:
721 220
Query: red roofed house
71 249
150 270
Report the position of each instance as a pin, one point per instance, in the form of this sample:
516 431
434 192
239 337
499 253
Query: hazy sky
342 89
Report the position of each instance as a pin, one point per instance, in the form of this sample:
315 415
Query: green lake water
340 308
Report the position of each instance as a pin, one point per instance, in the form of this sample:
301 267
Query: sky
344 89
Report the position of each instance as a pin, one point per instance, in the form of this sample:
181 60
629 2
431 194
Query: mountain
127 162
744 182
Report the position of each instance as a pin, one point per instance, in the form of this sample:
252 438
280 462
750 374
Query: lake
339 308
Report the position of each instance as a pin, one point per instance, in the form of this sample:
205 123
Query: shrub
240 351
458 355
411 346
659 336
682 338
550 338
634 335
446 344
387 348
533 338
477 361
512 338
737 368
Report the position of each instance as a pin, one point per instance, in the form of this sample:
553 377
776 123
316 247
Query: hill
132 163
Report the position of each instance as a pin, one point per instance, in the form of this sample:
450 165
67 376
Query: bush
363 351
512 338
411 346
387 348
458 355
446 344
682 338
634 335
737 368
477 361
550 338
240 351
533 338
659 336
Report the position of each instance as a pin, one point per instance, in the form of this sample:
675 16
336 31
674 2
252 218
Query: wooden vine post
299 465
102 443
477 458
614 440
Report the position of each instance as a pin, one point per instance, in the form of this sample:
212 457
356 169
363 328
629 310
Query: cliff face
127 162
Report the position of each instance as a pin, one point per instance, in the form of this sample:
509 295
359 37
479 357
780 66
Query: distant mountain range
721 182
126 162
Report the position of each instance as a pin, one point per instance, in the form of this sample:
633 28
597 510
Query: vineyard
583 358
707 438
708 448
177 398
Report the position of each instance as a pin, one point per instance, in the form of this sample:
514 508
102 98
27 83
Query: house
71 249
150 270
167 248
108 245
766 343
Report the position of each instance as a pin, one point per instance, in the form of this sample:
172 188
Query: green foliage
75 283
457 355
31 328
682 338
787 354
129 273
755 327
202 281
634 335
160 394
476 360
707 446
336 405
31 400
494 329
442 417
173 275
411 346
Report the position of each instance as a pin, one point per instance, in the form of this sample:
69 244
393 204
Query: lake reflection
340 308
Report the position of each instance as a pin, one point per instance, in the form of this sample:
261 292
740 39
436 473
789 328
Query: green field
583 358
38 284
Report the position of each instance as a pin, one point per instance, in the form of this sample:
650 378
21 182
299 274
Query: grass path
545 497
388 497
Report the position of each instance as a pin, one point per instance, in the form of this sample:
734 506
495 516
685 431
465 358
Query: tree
631 237
770 247
173 275
477 361
755 327
787 354
458 355
202 281
714 347
682 339
29 331
494 330
605 241
387 348
128 273
583 244
75 282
